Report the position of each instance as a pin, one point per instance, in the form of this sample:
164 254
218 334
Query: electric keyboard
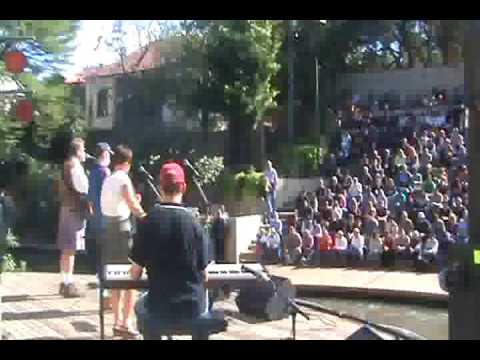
117 276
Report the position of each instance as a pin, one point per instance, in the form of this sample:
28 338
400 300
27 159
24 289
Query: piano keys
117 276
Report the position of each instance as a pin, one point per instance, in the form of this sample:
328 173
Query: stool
200 329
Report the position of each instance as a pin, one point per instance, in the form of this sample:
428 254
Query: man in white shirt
73 212
357 244
341 243
274 243
356 189
272 182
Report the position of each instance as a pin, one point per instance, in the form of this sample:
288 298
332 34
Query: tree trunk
412 57
204 124
429 61
239 143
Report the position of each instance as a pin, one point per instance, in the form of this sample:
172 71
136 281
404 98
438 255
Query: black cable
398 333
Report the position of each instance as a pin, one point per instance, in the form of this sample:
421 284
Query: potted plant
243 191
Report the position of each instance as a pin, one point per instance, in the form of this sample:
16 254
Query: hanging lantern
15 62
24 111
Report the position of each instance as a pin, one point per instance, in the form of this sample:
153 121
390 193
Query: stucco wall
93 86
410 83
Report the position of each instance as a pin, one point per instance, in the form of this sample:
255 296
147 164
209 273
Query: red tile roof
76 79
136 61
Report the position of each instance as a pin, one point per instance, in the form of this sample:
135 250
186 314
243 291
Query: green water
429 322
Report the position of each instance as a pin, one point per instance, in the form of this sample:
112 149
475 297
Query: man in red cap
172 246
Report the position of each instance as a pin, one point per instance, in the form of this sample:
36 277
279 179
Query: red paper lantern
15 62
24 111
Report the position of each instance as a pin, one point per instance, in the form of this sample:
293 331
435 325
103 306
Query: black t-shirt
424 227
218 234
173 248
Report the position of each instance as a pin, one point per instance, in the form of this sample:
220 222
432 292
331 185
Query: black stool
154 328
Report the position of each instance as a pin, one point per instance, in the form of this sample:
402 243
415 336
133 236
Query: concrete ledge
369 293
366 284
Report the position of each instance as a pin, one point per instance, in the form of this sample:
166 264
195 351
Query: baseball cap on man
103 146
171 173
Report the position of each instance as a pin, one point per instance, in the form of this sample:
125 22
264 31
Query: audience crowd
408 202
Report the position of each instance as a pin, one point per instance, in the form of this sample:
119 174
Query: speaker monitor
366 333
263 303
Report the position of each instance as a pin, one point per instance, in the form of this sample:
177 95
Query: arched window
103 97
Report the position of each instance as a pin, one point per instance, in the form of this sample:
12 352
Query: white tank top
112 202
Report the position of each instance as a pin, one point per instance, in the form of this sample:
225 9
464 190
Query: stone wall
289 188
408 84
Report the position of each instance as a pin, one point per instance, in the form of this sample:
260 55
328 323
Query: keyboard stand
101 275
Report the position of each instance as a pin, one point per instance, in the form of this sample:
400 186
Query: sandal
126 333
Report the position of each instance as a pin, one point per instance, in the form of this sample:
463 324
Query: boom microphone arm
149 180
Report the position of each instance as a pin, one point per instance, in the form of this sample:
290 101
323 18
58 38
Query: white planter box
242 232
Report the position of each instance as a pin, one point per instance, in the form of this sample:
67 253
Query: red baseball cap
171 173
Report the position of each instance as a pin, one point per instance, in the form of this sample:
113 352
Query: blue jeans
143 315
271 197
354 252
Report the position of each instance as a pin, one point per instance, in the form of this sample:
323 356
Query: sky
86 51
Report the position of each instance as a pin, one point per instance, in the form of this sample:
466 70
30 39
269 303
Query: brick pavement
32 309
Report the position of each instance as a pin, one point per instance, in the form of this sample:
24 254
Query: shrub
36 200
7 260
300 159
244 184
209 168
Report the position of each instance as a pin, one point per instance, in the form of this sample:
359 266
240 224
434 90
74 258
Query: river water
429 322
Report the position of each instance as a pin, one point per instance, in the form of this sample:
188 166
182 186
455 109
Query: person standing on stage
118 201
99 172
219 234
272 181
73 214
172 246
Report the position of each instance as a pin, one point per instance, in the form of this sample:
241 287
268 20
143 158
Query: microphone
260 275
89 157
142 170
190 166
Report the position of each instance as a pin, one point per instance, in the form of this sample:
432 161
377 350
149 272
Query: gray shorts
71 230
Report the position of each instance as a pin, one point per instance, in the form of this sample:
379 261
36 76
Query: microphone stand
292 306
153 188
293 310
206 203
147 178
206 206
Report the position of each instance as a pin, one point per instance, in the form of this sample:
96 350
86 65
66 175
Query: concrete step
248 257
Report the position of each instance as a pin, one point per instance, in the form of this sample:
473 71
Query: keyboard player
172 246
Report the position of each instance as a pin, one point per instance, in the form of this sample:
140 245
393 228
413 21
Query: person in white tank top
113 203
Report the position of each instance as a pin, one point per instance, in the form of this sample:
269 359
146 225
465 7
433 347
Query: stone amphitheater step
248 257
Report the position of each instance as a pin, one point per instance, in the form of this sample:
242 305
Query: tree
449 37
194 79
242 58
148 32
54 106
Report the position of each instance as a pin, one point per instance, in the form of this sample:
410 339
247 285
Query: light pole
292 24
317 87
291 86
317 95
